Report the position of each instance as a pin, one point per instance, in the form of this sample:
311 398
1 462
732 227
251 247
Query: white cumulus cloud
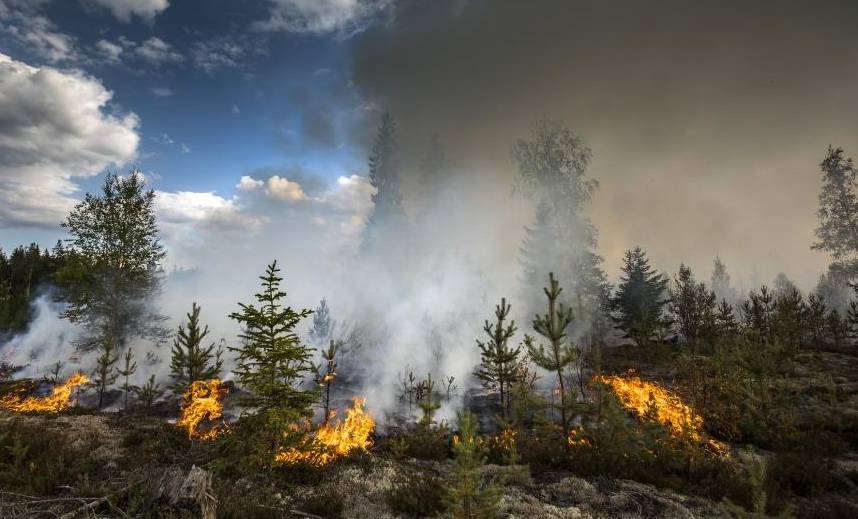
54 126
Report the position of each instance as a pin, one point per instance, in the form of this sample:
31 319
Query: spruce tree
128 369
191 360
499 361
639 301
105 369
469 496
272 362
388 216
560 353
552 170
725 321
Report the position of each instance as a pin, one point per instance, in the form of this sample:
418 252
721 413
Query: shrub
419 494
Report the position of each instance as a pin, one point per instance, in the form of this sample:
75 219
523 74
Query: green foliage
418 494
639 300
22 273
148 393
112 270
271 363
693 307
191 360
560 354
105 369
469 496
499 361
127 370
428 400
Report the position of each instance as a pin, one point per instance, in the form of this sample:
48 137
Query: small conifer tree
148 393
560 353
272 361
105 370
191 360
469 496
128 369
326 372
499 360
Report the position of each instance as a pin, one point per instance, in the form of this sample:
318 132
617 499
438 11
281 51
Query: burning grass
651 401
333 440
59 400
203 402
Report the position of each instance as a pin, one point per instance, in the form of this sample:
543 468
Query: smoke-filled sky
707 120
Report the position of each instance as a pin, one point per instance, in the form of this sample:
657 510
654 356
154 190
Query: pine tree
148 393
105 370
129 368
692 306
428 401
499 361
725 321
852 322
326 372
469 496
272 362
560 353
639 301
758 315
816 312
837 233
782 285
789 319
191 360
387 216
112 269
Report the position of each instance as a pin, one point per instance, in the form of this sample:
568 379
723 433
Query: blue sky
234 88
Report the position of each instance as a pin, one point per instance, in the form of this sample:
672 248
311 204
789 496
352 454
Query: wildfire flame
655 402
203 402
59 400
334 440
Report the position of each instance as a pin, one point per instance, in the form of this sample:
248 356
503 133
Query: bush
419 494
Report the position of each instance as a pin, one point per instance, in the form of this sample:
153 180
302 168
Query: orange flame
202 401
334 440
652 401
59 399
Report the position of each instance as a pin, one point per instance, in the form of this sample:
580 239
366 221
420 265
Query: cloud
156 51
125 10
161 91
221 52
111 52
248 183
344 17
54 126
23 24
283 188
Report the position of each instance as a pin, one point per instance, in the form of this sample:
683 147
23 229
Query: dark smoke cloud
707 119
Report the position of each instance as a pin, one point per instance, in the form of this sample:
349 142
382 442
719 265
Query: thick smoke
707 123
